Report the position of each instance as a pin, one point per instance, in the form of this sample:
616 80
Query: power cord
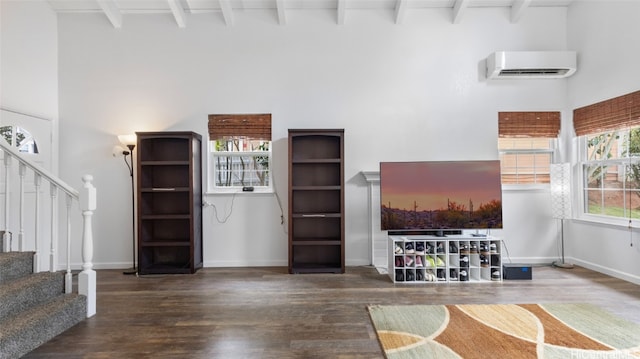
504 244
630 233
275 192
215 209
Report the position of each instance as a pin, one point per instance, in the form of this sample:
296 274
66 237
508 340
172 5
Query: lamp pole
133 214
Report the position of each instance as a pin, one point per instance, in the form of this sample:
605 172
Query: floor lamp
129 141
561 201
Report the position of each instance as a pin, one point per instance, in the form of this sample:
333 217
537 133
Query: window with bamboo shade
526 143
239 153
609 138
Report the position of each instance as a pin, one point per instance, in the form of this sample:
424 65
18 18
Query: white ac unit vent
531 64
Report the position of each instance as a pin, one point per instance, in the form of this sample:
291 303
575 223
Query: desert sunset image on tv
440 195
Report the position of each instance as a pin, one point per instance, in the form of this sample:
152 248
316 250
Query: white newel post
87 278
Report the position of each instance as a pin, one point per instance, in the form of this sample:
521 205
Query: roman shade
613 114
254 126
529 124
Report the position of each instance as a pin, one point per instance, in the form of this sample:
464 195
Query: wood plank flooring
267 313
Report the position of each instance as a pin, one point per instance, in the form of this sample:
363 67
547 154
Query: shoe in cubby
408 248
495 274
464 276
398 249
439 262
430 262
408 261
453 274
440 248
420 248
399 261
410 275
441 275
429 276
399 275
493 247
419 275
464 248
419 261
473 247
484 261
429 247
464 261
495 260
484 248
453 248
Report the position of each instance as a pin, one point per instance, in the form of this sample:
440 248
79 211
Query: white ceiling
114 9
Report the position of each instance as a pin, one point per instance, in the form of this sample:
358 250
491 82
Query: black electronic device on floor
516 271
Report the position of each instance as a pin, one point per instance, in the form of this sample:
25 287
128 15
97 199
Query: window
526 144
525 160
20 138
239 153
609 143
611 173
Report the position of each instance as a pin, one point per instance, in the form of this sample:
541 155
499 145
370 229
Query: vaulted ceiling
180 9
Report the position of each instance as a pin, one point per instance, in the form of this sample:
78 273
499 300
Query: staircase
38 301
33 306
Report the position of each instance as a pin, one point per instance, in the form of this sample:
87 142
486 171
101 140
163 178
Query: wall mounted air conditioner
531 64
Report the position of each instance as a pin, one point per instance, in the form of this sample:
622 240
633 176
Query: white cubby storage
454 258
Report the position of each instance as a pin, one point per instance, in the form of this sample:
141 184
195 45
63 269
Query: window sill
235 191
538 187
608 221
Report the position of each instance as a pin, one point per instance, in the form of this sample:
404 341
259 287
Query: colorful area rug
562 331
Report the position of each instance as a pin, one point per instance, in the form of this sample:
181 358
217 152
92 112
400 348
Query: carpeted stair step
15 265
23 293
36 326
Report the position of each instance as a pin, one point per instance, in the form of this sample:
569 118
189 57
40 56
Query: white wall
605 35
29 58
29 94
401 92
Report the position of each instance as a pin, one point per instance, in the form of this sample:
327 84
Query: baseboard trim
605 270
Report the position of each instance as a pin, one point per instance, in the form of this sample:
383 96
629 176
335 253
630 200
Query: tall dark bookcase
169 198
316 200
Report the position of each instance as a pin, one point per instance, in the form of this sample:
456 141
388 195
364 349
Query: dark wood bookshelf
169 202
316 201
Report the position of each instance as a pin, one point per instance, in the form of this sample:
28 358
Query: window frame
213 154
581 182
552 151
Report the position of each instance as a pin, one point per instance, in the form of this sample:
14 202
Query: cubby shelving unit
454 258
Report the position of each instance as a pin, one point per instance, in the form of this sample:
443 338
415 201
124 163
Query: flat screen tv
440 195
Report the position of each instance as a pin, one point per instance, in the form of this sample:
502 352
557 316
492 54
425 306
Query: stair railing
86 200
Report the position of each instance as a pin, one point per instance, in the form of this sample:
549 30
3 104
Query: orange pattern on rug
512 331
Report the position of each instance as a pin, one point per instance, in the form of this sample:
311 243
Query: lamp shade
128 140
560 181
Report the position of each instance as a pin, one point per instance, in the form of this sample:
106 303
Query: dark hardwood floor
266 313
